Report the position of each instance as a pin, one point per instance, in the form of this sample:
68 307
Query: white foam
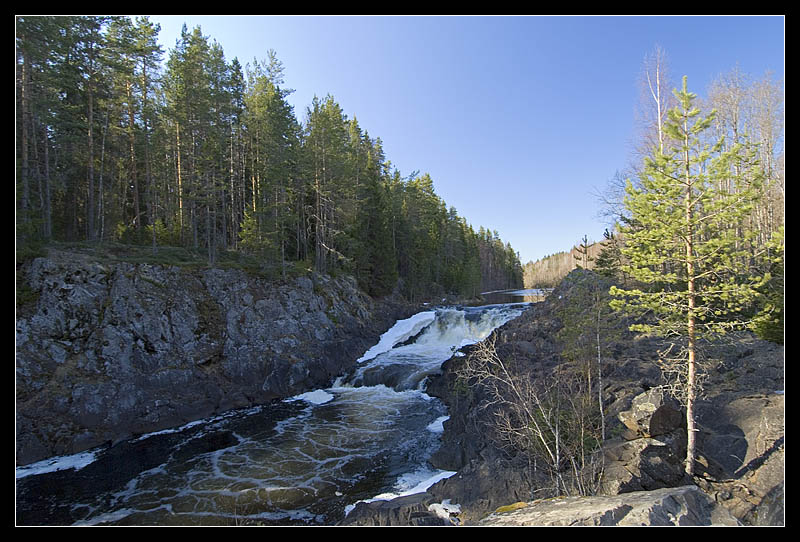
445 509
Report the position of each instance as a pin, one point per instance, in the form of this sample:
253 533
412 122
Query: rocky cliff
740 465
105 351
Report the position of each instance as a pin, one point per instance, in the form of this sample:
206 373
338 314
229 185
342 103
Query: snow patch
401 331
437 426
316 397
77 462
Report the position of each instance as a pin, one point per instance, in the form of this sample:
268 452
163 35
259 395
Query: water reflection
529 295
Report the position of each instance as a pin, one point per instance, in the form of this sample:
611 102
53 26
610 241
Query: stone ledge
686 505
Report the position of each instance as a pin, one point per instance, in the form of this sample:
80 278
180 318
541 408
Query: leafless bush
551 419
673 364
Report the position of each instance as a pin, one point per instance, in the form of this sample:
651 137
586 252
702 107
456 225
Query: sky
521 121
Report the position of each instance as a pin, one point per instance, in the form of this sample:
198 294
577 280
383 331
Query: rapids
302 461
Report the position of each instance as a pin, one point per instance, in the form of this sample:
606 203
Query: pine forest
121 142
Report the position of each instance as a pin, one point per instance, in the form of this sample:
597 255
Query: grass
511 507
185 258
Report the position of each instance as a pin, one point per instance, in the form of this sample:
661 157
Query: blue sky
520 121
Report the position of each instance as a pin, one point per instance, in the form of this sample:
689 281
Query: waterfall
415 348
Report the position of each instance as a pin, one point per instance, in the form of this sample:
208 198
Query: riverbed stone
411 510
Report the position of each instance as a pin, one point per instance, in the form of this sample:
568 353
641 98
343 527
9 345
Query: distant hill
548 271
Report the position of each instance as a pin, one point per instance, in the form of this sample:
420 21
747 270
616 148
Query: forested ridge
120 141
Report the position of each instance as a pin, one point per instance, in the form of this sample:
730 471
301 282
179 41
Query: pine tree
769 321
609 261
325 148
684 248
583 253
375 260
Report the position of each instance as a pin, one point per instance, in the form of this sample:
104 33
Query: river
305 460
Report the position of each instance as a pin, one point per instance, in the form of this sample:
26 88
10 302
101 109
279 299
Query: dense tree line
117 142
548 272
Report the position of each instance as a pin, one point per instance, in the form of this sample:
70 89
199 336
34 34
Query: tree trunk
47 210
180 180
600 379
90 142
24 172
132 145
690 277
101 212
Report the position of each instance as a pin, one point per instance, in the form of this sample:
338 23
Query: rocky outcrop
107 351
740 444
651 451
419 509
686 505
743 456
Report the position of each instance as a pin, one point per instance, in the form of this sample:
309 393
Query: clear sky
520 121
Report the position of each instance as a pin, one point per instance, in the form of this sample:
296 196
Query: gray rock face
412 510
652 413
686 505
743 461
653 448
109 351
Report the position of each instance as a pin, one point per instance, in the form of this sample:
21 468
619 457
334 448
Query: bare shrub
551 420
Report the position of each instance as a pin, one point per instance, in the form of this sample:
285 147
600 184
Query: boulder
644 464
412 510
742 462
652 414
650 455
686 505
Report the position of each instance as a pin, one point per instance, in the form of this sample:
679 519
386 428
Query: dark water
527 295
296 462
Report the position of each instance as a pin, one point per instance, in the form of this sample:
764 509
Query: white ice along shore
76 461
401 331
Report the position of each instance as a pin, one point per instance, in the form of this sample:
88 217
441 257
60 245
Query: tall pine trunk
690 324
90 213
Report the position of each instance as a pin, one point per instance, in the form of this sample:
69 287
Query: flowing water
302 461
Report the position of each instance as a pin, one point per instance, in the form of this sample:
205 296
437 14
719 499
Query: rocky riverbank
740 465
105 351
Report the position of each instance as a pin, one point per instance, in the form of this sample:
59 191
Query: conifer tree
684 249
583 253
609 261
376 259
